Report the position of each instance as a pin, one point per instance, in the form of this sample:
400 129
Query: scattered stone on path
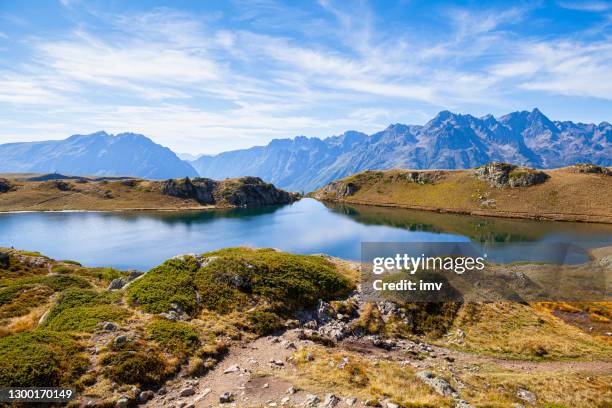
291 390
232 369
309 357
311 400
350 401
330 401
145 396
226 397
266 385
278 363
122 402
187 392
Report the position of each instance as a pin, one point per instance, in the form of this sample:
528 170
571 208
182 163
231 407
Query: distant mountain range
448 141
101 154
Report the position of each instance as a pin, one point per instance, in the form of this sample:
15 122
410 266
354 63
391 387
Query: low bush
177 338
82 310
135 367
238 279
40 358
263 323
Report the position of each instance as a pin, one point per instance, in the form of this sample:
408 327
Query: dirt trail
255 381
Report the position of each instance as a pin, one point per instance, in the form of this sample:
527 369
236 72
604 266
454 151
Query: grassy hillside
190 321
569 194
27 192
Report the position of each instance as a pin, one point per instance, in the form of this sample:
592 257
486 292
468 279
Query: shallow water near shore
141 240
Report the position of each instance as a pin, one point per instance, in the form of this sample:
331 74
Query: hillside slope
57 192
259 327
97 154
448 141
570 194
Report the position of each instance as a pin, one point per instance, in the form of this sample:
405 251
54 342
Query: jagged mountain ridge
99 154
448 141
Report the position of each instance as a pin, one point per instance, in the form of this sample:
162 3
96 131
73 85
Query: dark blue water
145 239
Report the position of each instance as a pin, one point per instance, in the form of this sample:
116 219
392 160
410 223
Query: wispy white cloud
198 83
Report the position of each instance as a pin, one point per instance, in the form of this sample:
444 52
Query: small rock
390 404
187 392
309 357
373 403
122 339
162 391
285 400
232 369
117 283
311 400
108 326
291 390
439 385
350 401
526 395
463 404
145 396
122 402
291 346
226 397
266 385
190 406
277 362
343 363
330 401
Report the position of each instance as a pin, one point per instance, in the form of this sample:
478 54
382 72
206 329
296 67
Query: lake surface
142 240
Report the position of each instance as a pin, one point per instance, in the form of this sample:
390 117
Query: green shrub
82 310
40 358
263 323
19 300
85 319
103 275
175 337
129 367
170 282
237 278
61 269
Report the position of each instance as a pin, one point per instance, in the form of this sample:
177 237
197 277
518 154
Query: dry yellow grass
491 386
363 378
514 330
564 196
92 195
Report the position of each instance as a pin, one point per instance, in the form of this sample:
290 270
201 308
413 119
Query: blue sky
208 76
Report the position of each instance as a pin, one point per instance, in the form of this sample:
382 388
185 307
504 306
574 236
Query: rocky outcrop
423 177
252 192
5 186
338 189
200 189
242 192
590 168
501 175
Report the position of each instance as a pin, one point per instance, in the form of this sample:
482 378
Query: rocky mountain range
448 141
97 154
